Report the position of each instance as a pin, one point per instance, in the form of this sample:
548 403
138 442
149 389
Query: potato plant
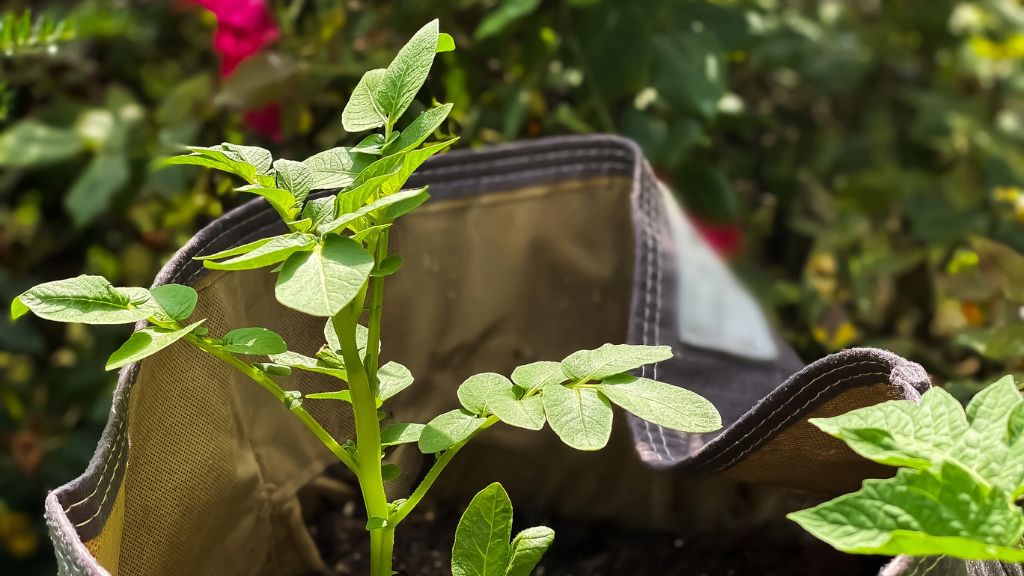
333 263
960 477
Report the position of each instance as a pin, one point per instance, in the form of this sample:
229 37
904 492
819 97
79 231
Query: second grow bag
525 252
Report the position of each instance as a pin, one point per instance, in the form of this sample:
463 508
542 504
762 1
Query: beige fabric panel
834 468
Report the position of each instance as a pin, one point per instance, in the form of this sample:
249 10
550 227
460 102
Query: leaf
404 204
407 72
331 337
419 129
538 375
248 162
176 300
279 199
146 342
85 299
323 281
901 433
319 210
294 177
96 187
336 168
376 523
419 195
663 404
390 472
506 13
494 393
611 359
481 538
387 266
447 430
255 341
581 417
364 111
343 395
921 513
475 390
274 250
393 378
445 43
31 143
395 434
243 249
386 176
527 549
370 145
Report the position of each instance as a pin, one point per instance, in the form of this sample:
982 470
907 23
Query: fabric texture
525 252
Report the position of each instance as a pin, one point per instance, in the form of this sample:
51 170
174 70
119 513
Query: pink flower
726 238
244 28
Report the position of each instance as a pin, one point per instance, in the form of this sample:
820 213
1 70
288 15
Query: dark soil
423 547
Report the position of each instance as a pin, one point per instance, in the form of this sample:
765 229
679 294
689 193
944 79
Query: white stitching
103 473
767 435
648 240
920 565
107 492
657 297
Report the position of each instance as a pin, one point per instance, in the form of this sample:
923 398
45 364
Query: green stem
368 448
268 384
376 311
410 503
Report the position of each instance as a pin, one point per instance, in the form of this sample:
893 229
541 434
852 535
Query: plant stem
268 384
410 504
368 448
376 311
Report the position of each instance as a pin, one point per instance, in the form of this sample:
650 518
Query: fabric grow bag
525 252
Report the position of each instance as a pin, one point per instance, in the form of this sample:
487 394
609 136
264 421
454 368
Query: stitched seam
106 492
645 206
921 564
529 158
790 399
791 417
103 473
657 298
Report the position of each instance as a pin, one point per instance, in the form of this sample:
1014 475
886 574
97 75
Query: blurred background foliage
861 162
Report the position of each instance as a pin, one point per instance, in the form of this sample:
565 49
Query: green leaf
343 395
921 513
364 111
405 203
611 359
395 434
376 523
387 266
447 430
494 393
902 433
331 337
274 250
507 12
323 281
319 210
336 168
663 404
407 72
419 195
393 378
176 300
419 129
294 177
146 342
292 399
372 145
95 188
248 162
581 417
386 176
31 143
302 362
255 341
445 43
475 390
279 199
85 299
538 375
481 538
243 249
390 472
527 548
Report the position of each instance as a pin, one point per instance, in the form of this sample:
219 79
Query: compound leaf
85 299
611 359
